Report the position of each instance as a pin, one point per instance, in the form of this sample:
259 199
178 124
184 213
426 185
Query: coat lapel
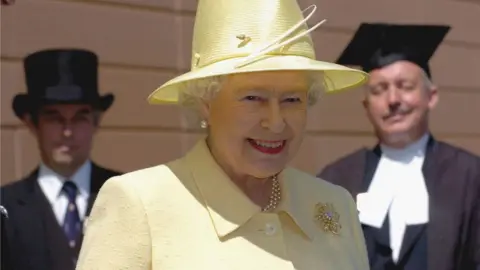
431 172
31 207
371 163
435 166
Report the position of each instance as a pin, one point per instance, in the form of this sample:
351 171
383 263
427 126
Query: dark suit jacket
25 243
452 176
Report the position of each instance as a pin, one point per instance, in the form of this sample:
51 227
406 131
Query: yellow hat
238 36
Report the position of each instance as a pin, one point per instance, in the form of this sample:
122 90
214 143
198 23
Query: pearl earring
203 124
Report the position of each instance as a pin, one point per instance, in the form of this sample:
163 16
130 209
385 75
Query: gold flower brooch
327 218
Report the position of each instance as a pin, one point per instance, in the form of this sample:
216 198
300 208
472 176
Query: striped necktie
72 224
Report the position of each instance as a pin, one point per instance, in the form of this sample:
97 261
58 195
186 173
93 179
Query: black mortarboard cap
376 45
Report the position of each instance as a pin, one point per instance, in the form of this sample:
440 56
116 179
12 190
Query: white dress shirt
398 190
51 184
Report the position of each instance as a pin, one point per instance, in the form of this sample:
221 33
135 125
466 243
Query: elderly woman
232 202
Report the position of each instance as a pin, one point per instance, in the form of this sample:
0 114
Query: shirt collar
229 207
52 182
405 155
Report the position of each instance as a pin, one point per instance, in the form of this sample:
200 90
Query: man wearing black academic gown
418 198
62 108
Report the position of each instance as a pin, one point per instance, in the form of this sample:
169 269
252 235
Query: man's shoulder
347 170
11 189
16 187
349 159
459 153
105 171
458 159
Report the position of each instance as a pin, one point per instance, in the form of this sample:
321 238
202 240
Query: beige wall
142 43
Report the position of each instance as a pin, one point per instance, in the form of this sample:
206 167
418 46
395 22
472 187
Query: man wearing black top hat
418 198
62 108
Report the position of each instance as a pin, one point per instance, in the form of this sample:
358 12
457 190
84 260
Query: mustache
398 111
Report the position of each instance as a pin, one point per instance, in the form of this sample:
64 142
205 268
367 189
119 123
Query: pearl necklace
275 197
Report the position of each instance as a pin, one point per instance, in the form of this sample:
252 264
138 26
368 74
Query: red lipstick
268 147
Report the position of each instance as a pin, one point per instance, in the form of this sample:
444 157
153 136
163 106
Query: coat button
270 229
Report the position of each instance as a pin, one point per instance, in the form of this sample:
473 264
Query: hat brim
336 77
23 103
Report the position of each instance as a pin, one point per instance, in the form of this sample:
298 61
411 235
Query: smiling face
64 134
398 101
256 122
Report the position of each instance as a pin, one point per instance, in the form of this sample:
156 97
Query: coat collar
229 208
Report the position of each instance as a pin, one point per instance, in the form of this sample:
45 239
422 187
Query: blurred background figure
418 197
62 108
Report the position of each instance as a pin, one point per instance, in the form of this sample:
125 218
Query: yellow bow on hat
238 36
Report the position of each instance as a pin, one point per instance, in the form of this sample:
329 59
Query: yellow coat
187 215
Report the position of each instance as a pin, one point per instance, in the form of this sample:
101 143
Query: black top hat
60 76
